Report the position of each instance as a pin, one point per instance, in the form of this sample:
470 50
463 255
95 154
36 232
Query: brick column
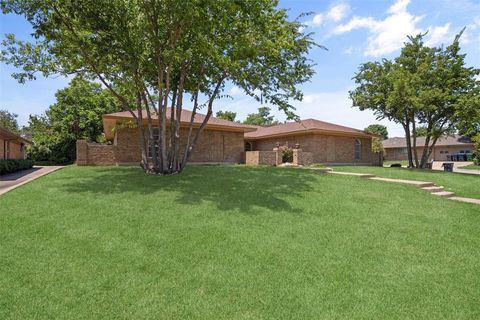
82 153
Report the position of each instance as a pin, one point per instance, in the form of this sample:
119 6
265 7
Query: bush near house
476 151
10 166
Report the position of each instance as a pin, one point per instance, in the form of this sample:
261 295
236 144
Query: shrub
396 165
53 152
287 155
10 166
476 150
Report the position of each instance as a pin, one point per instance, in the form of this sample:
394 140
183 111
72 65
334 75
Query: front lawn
471 167
234 242
464 185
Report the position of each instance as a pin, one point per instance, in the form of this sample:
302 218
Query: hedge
10 166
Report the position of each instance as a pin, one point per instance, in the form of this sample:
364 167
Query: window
402 151
248 146
154 144
358 149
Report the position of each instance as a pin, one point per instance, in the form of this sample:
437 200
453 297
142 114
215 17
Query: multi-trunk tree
430 87
155 56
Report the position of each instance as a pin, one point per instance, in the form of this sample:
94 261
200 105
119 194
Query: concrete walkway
429 187
11 181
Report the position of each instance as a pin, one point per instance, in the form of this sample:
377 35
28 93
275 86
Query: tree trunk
406 127
414 147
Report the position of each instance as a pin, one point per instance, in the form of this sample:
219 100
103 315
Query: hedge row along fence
10 166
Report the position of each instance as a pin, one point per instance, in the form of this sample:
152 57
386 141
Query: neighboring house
396 148
329 143
225 141
12 146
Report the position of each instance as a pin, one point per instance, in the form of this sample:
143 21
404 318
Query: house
396 148
221 142
329 143
225 141
12 146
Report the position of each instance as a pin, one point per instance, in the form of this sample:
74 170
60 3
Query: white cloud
334 14
336 107
235 91
338 12
387 35
439 35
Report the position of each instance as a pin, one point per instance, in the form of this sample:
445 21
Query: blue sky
353 31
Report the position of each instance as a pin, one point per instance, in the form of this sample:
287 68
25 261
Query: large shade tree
430 87
155 55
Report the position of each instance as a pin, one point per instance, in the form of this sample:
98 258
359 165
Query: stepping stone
469 200
420 184
354 174
444 194
433 189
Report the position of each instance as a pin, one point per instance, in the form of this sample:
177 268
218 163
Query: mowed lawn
464 185
234 242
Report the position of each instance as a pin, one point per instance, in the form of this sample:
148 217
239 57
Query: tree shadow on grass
227 187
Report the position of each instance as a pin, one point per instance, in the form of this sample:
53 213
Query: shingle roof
7 134
455 140
185 118
304 126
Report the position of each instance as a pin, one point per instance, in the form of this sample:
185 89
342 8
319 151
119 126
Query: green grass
471 167
465 185
234 243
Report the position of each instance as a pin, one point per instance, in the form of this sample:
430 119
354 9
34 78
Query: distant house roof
6 134
455 140
109 121
305 126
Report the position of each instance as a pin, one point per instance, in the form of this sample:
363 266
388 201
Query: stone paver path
430 187
11 181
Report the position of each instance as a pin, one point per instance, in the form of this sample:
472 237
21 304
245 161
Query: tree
77 113
422 131
153 54
8 121
261 118
226 115
424 86
377 129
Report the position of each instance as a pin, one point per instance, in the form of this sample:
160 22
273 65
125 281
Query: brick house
12 146
396 148
327 142
221 142
225 141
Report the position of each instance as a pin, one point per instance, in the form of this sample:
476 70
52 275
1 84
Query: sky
354 32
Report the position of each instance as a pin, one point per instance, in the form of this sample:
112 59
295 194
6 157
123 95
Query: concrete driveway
11 181
457 166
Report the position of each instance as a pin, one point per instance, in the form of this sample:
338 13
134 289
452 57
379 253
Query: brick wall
324 149
302 158
262 158
211 146
2 150
16 150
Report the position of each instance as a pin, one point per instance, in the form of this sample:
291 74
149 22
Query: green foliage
11 166
476 151
261 118
378 129
226 115
429 87
421 131
287 155
77 114
8 120
377 145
